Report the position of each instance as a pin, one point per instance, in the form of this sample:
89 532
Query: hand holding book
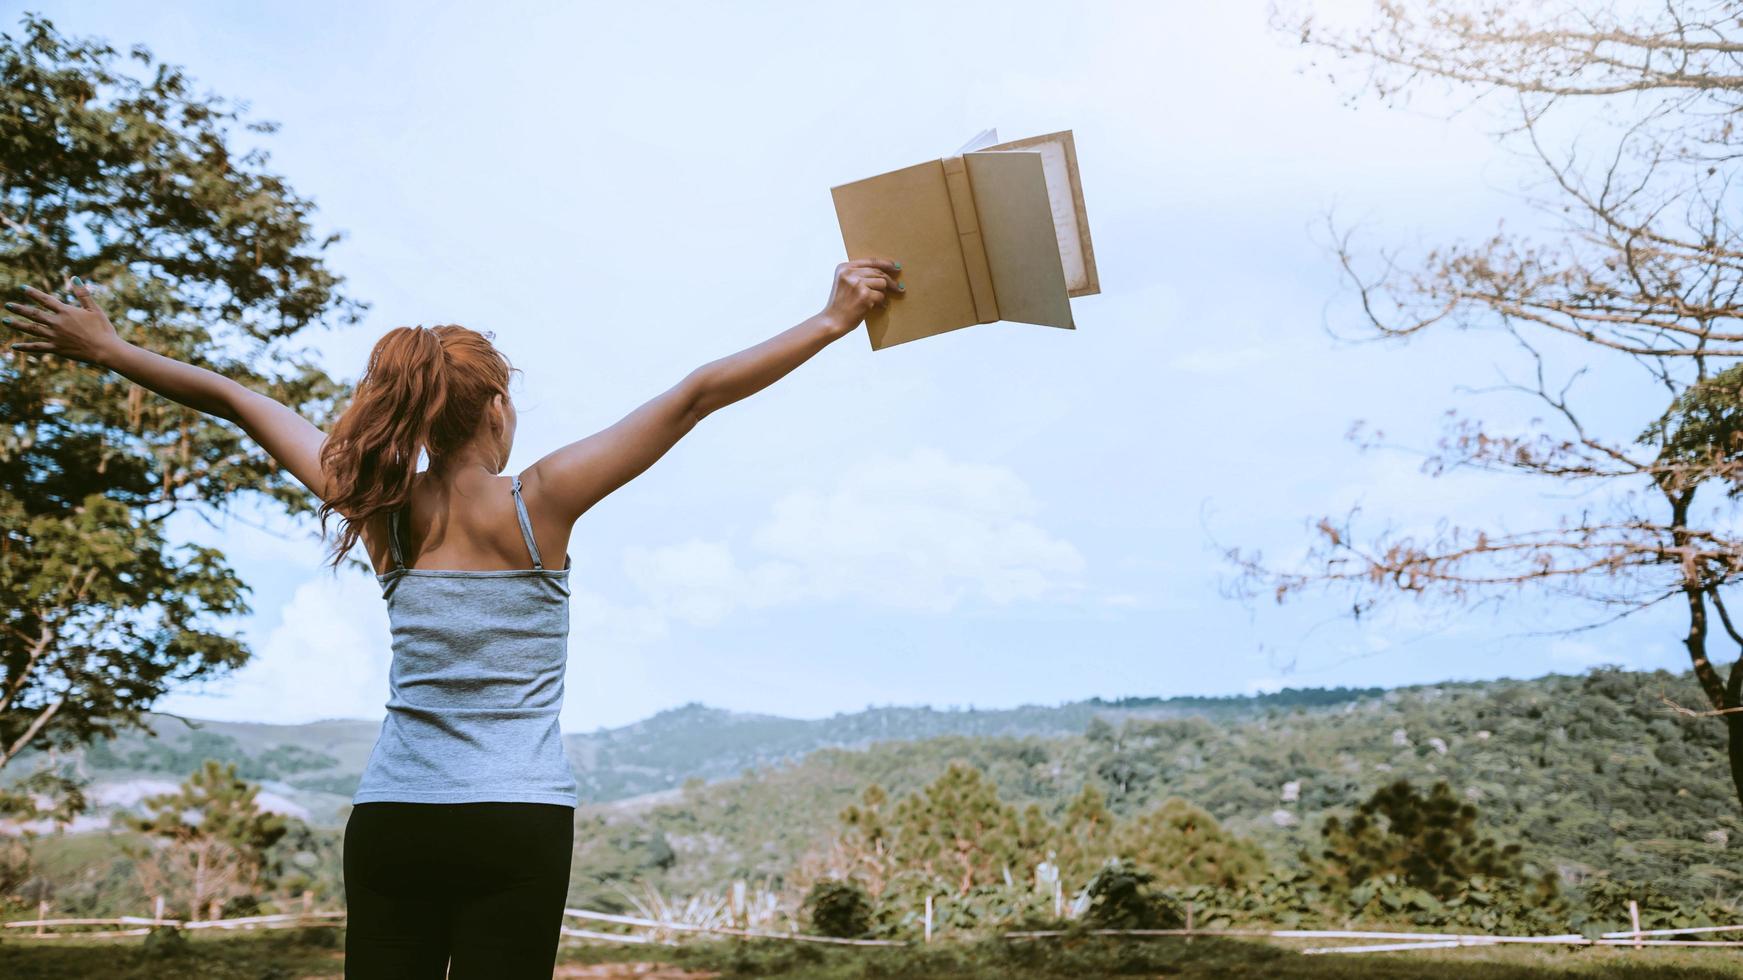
861 285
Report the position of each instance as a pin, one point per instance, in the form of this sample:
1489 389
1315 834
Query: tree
1429 841
1181 845
1086 832
1643 268
211 838
136 184
959 829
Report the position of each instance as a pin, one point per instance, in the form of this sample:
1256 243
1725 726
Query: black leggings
478 884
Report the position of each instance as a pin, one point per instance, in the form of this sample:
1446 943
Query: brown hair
424 390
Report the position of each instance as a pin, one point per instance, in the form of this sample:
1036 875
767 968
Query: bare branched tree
1641 265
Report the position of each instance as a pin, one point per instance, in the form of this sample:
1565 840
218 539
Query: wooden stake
159 915
1189 923
308 901
1634 920
41 914
928 918
1058 899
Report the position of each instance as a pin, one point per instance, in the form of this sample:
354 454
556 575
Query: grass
316 953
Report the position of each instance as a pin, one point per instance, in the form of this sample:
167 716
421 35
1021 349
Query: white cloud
328 658
920 533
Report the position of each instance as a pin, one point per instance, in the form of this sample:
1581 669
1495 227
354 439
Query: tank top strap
526 524
393 538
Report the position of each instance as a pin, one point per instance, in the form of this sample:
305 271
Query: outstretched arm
83 333
574 478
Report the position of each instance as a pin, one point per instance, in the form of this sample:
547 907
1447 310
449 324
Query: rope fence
666 933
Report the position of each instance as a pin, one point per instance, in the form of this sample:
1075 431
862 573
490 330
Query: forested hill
1595 775
696 741
314 767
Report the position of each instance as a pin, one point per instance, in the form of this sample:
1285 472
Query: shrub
838 908
1121 897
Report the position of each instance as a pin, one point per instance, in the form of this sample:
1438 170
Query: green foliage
1183 845
837 908
214 804
1429 842
1589 773
1703 429
1121 896
957 827
117 171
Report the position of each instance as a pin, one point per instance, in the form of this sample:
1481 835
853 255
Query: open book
996 231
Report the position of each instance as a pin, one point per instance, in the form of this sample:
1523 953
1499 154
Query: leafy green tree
1086 832
213 803
1182 845
209 839
113 169
1430 842
959 829
863 848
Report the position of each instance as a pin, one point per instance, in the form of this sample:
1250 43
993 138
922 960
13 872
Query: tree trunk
1722 693
1734 727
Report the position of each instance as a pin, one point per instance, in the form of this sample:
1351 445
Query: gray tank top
476 683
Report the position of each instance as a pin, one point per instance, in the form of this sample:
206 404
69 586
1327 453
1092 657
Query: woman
457 848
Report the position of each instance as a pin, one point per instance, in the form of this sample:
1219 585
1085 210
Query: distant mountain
1594 775
311 770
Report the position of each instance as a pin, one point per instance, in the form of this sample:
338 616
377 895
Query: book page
979 141
1065 194
906 215
1017 227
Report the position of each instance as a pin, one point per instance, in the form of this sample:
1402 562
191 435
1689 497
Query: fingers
26 326
48 300
33 347
36 313
890 266
82 293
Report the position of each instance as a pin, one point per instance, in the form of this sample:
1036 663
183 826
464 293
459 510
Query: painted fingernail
901 288
6 320
77 281
898 267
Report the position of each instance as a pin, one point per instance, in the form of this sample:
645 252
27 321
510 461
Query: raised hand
80 332
860 285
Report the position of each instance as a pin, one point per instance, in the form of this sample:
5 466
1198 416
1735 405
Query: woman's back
476 684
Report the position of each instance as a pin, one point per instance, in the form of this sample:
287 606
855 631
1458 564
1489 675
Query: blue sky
1000 515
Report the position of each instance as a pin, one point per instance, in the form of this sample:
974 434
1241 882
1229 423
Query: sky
1001 515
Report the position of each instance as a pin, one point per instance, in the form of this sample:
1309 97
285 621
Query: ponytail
423 391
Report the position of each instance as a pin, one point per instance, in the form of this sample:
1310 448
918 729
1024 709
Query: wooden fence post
740 916
158 914
1189 922
1634 920
41 914
308 901
928 918
1058 899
